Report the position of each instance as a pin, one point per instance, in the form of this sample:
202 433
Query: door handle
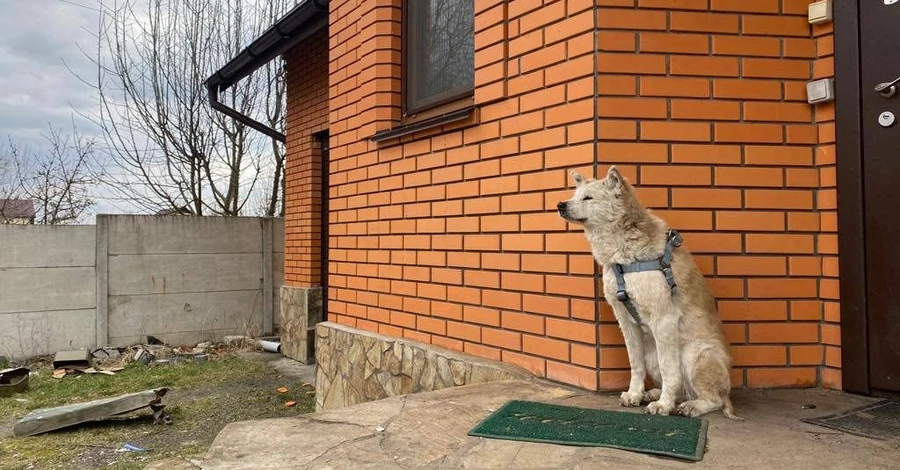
887 89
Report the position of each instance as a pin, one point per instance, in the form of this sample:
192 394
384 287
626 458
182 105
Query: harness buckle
622 296
675 238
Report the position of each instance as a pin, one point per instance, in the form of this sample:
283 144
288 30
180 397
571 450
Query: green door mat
672 436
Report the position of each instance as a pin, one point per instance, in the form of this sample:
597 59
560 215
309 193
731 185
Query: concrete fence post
102 263
268 254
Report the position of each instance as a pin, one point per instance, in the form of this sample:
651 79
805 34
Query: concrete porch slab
428 430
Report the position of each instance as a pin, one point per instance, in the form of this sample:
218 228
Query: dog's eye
587 198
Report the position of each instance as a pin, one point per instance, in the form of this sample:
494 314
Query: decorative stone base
301 310
356 366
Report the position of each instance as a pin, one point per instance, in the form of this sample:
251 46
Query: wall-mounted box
820 91
820 12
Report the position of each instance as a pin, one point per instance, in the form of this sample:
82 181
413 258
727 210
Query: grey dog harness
664 264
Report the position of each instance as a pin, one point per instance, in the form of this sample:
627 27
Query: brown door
879 26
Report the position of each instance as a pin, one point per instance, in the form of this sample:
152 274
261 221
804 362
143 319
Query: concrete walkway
428 430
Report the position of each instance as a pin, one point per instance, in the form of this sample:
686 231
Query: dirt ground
202 399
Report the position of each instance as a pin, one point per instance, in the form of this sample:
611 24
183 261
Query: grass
203 398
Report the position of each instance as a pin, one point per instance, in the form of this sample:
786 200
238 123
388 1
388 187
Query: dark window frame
457 98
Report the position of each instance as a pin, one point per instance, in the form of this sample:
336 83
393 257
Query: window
439 52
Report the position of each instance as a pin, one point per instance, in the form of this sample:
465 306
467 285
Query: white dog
662 303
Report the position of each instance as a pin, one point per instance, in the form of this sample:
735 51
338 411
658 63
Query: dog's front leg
665 332
634 344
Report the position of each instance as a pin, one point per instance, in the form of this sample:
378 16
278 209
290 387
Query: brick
749 177
705 109
741 132
546 305
570 285
674 86
482 316
781 377
750 221
675 131
775 25
482 351
674 43
501 339
806 355
632 107
766 288
778 112
611 18
710 154
704 66
674 4
687 219
746 46
759 356
569 374
675 175
756 6
544 263
616 40
482 279
751 266
545 347
704 22
571 330
775 68
638 152
612 62
744 88
778 199
584 355
778 155
532 364
755 310
523 322
706 198
625 85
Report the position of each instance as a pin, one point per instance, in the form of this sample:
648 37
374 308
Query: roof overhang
306 18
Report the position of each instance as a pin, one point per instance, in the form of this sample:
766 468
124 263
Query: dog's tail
729 410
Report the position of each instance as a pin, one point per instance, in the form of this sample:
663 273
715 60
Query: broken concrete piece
143 356
49 419
13 381
204 345
72 360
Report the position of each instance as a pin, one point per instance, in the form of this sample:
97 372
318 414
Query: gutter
298 24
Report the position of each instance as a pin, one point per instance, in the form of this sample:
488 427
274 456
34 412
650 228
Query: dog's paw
652 395
660 408
691 409
631 398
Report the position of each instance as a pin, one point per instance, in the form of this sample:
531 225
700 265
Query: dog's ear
614 177
579 180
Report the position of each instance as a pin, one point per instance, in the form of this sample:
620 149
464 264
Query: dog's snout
561 205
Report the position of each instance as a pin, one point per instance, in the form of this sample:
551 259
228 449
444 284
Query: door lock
887 89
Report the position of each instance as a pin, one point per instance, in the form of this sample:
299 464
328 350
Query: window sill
406 129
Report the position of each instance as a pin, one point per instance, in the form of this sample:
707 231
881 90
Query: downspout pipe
298 24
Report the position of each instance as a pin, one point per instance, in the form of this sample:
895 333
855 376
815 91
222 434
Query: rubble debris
13 380
80 359
102 354
204 345
281 389
143 356
49 419
126 447
59 373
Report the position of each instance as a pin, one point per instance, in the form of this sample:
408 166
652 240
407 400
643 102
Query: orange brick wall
307 113
827 245
450 236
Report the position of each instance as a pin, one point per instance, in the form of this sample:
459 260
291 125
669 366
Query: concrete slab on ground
428 430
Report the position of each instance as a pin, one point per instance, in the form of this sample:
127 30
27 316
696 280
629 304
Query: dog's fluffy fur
680 344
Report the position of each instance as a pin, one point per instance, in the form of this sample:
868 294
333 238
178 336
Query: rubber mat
879 420
672 436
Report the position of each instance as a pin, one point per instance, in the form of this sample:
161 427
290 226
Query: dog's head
596 202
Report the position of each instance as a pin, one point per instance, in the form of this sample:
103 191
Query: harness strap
664 264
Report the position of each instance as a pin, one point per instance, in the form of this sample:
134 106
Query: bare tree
170 150
57 180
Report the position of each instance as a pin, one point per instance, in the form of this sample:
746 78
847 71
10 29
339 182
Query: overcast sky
38 39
